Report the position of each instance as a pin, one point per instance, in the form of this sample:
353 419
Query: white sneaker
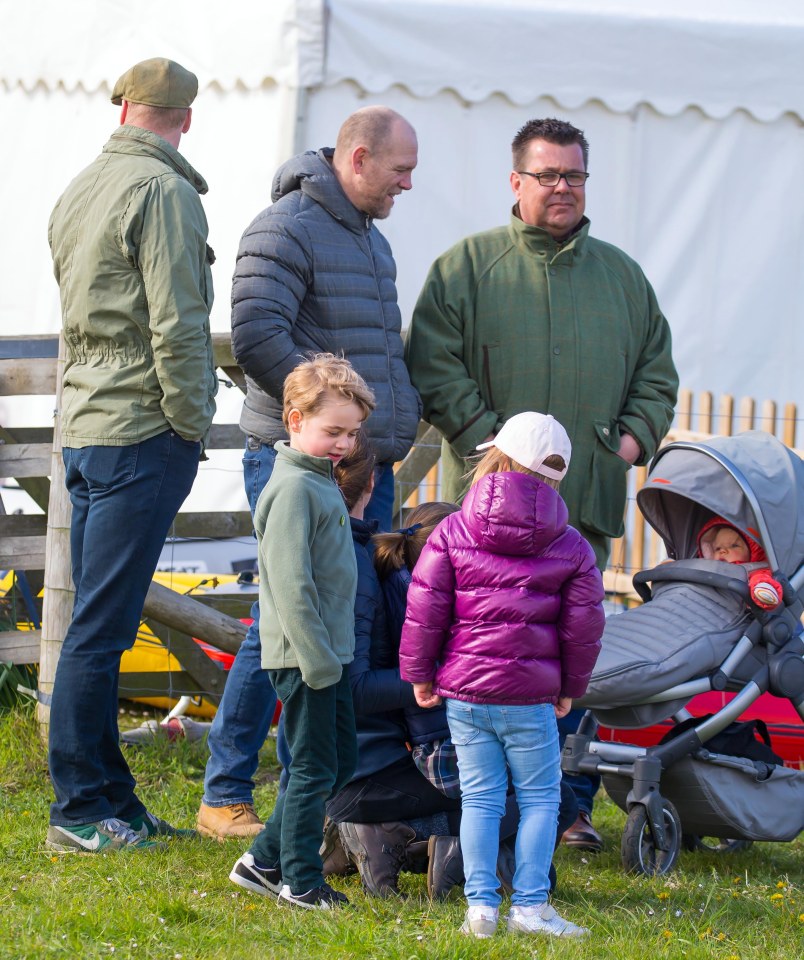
542 919
480 922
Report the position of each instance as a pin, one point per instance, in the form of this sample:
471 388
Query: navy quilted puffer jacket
505 606
314 274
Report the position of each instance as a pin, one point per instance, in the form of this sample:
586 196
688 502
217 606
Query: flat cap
157 83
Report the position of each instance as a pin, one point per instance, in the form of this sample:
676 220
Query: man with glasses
538 315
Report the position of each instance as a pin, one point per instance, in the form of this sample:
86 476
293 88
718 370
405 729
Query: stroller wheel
692 841
638 849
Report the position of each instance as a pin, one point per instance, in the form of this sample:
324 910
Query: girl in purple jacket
504 619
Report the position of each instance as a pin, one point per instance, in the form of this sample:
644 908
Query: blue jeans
247 706
124 500
584 785
491 740
248 703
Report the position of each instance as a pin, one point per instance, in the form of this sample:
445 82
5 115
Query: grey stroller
698 631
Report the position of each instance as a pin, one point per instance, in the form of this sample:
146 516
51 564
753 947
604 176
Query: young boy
307 591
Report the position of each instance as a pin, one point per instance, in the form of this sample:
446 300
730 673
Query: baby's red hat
755 552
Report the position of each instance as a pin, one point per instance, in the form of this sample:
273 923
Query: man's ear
358 158
123 112
187 120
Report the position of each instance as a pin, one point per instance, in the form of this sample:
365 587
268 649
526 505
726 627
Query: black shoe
335 860
266 881
319 898
445 867
379 851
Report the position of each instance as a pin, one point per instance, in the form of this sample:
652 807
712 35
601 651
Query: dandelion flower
664 895
777 896
781 885
667 934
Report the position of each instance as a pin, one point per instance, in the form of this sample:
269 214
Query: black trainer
266 881
319 898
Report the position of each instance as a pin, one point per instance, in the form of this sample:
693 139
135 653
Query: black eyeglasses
551 179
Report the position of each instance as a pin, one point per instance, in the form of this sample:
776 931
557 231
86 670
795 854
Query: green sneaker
148 826
103 837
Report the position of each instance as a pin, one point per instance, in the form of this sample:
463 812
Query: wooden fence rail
29 367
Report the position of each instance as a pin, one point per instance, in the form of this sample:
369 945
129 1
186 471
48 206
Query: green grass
179 903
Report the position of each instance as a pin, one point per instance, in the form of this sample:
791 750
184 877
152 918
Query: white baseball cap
530 438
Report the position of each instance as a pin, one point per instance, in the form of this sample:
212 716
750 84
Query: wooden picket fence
698 417
29 367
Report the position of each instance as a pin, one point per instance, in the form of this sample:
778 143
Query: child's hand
563 707
765 591
424 694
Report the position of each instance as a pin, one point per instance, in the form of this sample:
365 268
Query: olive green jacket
308 571
128 238
510 320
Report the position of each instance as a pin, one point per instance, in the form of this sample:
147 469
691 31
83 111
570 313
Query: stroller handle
669 572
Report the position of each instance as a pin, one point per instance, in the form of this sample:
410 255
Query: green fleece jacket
510 320
308 573
129 244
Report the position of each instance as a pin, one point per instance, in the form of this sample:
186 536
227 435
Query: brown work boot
335 860
379 852
233 820
445 866
582 835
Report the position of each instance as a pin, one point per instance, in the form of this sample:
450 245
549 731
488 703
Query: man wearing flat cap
130 254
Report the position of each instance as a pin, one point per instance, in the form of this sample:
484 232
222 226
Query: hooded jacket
314 274
129 244
505 606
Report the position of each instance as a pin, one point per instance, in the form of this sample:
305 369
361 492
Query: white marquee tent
694 110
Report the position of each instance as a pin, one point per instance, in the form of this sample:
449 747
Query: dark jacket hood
313 174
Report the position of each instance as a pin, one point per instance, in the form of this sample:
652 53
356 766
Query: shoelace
122 830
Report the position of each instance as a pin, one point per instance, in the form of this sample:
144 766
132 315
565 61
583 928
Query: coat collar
321 465
135 140
535 240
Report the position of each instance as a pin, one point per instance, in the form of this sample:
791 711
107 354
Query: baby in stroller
721 540
704 626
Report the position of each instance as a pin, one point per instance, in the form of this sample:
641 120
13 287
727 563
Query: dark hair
402 548
353 473
553 131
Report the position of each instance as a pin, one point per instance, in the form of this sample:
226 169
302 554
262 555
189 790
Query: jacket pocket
490 354
604 498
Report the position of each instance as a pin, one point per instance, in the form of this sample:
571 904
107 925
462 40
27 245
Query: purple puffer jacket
505 606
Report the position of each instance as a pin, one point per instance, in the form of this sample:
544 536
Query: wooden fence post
57 606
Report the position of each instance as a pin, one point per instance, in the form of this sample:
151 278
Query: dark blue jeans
124 500
320 730
583 785
248 703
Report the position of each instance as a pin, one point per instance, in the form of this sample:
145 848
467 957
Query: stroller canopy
752 480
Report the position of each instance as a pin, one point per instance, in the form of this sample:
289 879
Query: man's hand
630 451
424 694
563 707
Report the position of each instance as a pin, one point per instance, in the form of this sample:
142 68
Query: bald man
313 274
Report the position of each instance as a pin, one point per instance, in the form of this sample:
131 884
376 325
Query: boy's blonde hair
495 461
307 385
402 548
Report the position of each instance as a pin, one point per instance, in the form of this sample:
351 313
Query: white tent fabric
672 55
694 112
